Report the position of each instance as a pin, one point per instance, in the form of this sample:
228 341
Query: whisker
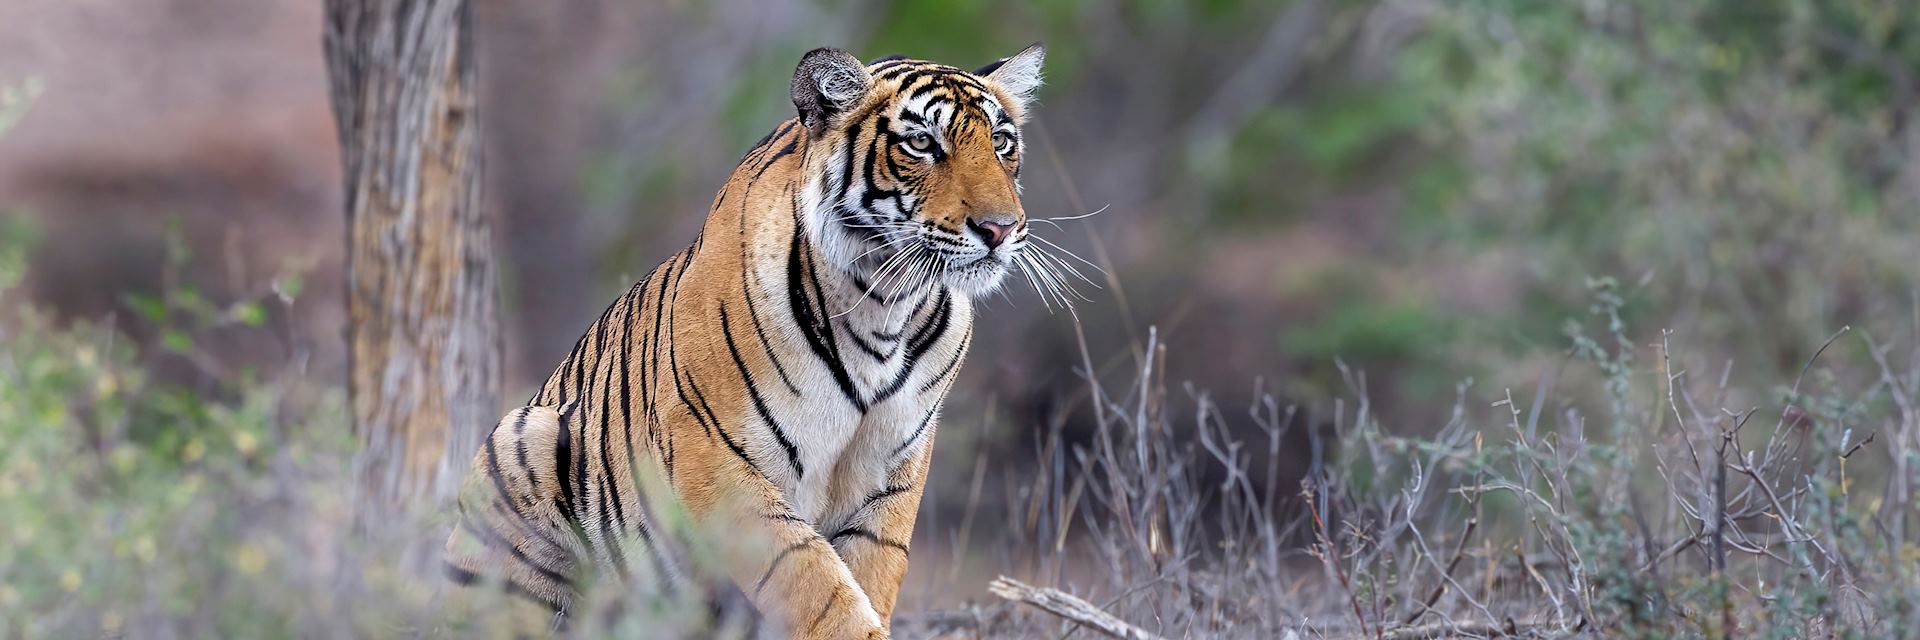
889 243
1055 264
1061 286
852 216
1037 274
1026 271
1056 219
892 227
895 259
924 264
1076 257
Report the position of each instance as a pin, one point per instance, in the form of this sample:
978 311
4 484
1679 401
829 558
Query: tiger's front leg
874 540
798 579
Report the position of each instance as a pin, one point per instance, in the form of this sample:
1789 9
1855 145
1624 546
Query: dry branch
1479 629
1067 606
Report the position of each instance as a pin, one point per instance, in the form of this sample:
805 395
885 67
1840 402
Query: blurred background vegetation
1423 190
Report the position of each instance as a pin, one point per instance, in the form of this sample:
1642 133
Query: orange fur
764 380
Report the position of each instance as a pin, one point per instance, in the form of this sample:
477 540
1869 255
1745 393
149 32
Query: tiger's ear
826 84
1019 74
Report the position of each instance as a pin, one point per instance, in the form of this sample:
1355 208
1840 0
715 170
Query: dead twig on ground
1066 605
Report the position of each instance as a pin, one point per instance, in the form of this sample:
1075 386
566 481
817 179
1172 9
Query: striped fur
781 378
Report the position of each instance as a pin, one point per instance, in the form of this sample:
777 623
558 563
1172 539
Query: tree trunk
424 352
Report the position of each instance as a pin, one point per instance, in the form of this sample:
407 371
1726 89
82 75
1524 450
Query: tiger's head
913 168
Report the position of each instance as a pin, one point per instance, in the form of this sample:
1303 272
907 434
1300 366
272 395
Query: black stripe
818 333
513 508
460 576
684 383
857 532
644 525
871 350
881 494
652 372
520 449
610 528
608 532
953 364
762 143
560 469
718 428
562 464
636 300
555 393
753 393
580 464
775 564
753 312
493 540
922 340
681 388
467 578
822 616
787 516
916 432
667 459
868 158
575 487
897 67
783 152
633 299
847 162
922 90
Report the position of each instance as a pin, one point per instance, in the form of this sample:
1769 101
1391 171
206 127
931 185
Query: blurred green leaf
288 287
149 308
177 341
248 313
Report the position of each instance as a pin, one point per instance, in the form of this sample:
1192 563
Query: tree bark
424 346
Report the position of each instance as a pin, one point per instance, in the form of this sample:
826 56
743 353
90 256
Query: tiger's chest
868 380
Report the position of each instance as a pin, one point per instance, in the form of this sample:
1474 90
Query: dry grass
1669 511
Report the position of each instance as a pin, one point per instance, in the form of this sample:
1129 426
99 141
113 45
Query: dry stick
1459 551
1067 606
1331 557
1717 551
1457 629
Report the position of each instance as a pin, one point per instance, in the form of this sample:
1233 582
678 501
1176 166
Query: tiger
781 378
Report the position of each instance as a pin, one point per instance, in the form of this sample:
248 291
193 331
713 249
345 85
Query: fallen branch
1510 628
1067 606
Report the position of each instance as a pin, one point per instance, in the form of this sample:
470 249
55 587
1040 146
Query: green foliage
1737 152
15 100
131 505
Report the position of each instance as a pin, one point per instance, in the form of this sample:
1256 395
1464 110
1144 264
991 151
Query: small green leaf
177 341
287 287
149 308
248 313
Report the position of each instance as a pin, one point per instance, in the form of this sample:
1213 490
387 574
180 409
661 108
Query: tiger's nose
993 230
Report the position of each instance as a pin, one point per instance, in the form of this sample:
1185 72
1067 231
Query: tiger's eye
1002 142
920 141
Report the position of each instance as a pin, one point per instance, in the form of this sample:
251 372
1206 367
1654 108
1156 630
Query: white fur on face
866 237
